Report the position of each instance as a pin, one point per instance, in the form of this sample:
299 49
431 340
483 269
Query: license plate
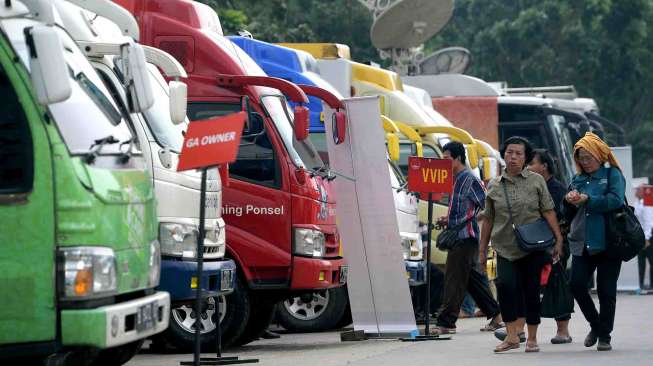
145 317
226 280
344 270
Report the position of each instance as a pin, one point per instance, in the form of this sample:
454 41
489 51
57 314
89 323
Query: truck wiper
96 147
126 155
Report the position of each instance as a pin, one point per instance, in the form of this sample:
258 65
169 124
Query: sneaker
591 339
502 333
604 346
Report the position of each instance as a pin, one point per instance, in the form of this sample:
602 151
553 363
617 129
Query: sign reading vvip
429 175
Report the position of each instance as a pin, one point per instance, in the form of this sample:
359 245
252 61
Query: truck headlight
412 249
86 272
155 263
405 248
178 240
309 242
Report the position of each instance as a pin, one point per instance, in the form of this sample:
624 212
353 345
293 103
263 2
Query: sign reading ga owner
429 175
212 141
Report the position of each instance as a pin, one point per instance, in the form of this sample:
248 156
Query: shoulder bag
530 237
624 235
448 237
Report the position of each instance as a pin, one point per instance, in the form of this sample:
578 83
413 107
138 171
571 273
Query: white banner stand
378 289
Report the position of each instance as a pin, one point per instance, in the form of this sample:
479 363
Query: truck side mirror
178 101
301 122
255 125
139 89
339 127
393 146
50 76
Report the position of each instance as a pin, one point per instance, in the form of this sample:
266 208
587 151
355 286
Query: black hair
545 158
518 140
456 149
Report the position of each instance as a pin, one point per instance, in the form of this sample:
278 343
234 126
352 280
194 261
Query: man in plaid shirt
462 274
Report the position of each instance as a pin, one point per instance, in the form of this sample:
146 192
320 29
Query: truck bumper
313 273
416 272
177 278
117 324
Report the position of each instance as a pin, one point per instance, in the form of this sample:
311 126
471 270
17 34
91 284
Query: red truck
278 205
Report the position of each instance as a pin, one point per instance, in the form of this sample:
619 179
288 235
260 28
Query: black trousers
518 287
461 276
645 254
418 293
582 269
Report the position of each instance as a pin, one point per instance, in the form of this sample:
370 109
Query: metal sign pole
427 308
200 269
197 360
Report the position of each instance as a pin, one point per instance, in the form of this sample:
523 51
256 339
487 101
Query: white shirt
645 216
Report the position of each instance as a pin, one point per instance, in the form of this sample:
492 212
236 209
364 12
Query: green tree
603 47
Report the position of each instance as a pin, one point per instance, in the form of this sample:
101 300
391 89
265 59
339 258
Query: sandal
506 346
532 348
442 330
492 326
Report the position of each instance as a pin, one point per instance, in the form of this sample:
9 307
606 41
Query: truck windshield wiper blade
96 147
125 155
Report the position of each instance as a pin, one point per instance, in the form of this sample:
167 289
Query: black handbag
557 299
448 237
623 232
530 237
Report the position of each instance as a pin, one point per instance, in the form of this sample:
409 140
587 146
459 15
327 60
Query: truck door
256 207
27 248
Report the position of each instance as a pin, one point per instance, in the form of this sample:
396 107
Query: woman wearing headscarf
598 188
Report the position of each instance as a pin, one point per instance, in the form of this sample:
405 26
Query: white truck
101 27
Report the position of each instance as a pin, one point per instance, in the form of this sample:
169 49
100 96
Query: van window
16 151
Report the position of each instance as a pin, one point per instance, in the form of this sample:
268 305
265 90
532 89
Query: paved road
632 342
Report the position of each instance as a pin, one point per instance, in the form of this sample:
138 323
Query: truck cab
300 67
83 259
537 118
278 206
161 129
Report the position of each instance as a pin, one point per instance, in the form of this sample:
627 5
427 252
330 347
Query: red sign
211 142
429 175
647 193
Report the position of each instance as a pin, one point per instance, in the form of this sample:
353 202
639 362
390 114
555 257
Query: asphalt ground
632 342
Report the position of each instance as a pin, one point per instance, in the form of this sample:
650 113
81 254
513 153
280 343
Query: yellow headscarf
597 148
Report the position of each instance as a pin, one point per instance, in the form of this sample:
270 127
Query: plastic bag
557 299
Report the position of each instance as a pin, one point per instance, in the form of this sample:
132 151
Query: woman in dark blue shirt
596 190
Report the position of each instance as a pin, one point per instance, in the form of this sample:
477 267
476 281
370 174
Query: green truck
80 257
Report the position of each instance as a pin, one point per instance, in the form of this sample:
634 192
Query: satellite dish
409 23
451 60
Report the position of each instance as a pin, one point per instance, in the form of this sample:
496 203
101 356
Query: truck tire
323 311
261 315
234 311
116 356
346 318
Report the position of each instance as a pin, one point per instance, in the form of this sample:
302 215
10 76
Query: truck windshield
166 133
81 122
303 153
566 147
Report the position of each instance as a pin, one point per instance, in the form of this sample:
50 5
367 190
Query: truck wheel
181 331
118 355
319 311
261 315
